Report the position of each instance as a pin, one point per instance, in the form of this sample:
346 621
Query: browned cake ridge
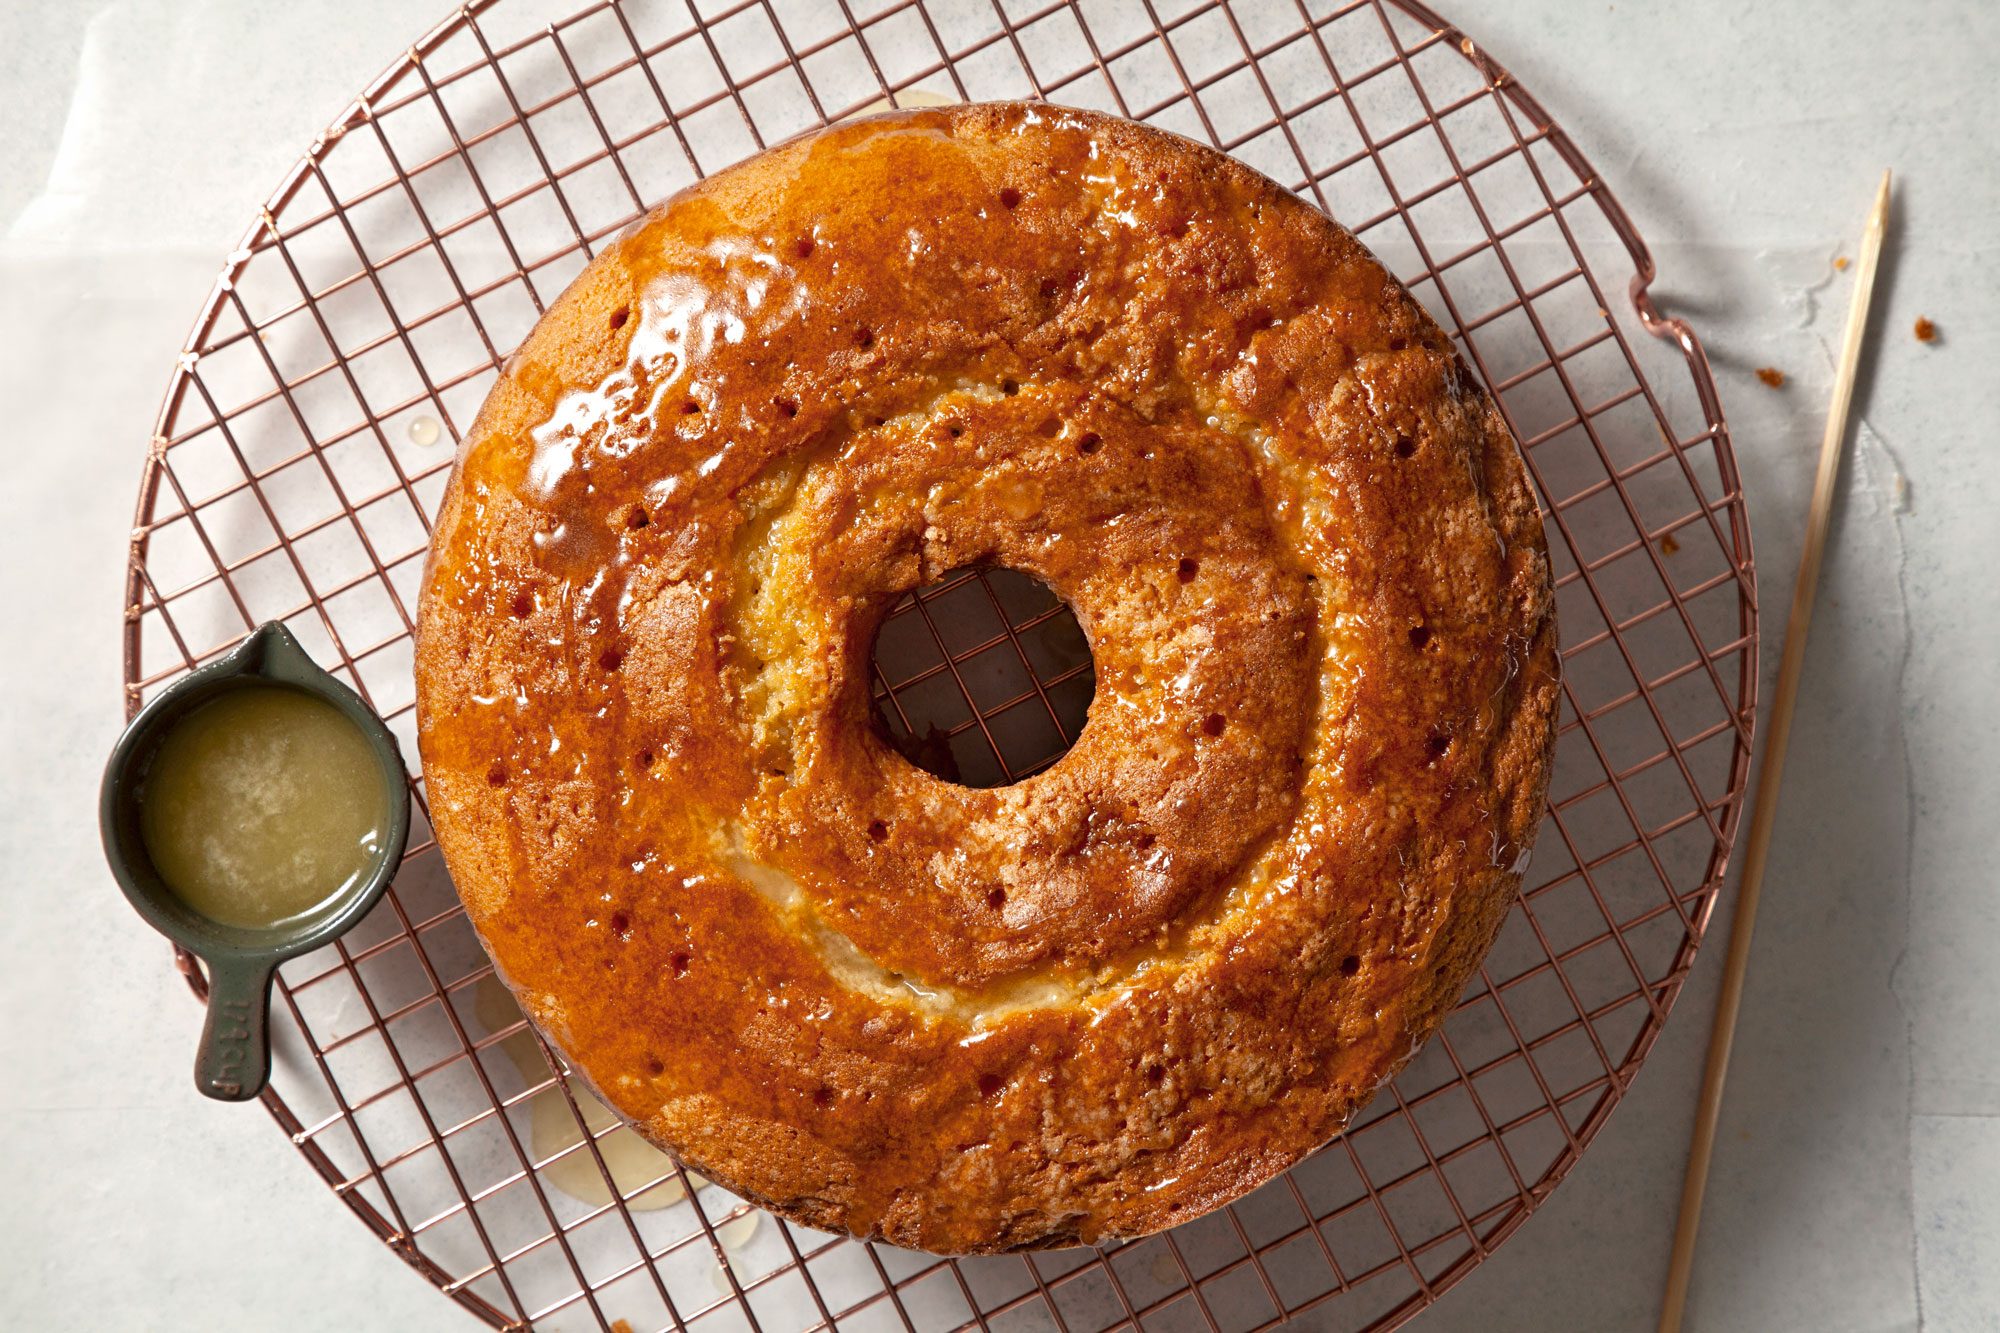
1299 539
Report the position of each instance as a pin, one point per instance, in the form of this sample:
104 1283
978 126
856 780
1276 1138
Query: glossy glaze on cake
1298 536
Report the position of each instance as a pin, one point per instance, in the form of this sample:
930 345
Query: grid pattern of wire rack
305 440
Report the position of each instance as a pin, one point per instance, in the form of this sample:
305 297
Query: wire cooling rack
304 444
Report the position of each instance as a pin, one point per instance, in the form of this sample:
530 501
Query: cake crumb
1773 377
1668 545
1926 331
1840 264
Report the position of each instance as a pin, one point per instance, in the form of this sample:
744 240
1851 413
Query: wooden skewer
1764 808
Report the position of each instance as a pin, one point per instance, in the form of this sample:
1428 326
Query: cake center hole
981 678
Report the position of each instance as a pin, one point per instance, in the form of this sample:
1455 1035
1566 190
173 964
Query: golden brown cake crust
1299 538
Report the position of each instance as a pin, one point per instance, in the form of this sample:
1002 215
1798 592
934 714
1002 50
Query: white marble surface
1857 1183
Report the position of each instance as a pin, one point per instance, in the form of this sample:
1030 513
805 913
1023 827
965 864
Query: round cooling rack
305 442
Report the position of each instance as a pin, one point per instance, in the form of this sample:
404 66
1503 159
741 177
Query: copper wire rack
304 444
